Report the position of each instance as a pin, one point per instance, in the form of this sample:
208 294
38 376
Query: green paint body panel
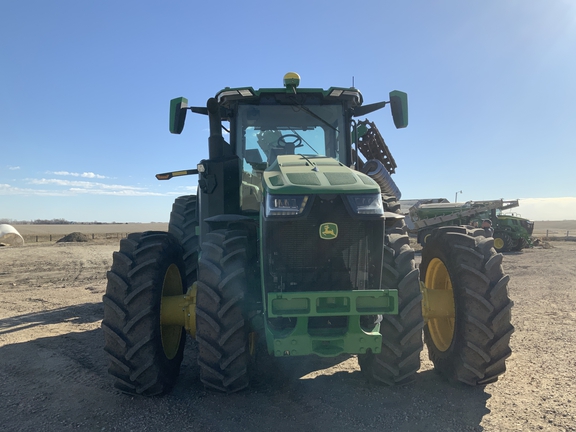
330 303
312 175
296 175
301 340
177 114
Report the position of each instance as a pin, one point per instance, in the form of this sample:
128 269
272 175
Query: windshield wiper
300 136
313 114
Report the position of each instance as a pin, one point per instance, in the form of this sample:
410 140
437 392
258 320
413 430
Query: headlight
285 205
366 204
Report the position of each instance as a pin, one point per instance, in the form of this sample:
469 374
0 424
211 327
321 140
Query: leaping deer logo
328 231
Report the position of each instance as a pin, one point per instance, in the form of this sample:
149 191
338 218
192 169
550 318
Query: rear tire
399 359
221 325
144 356
423 236
502 242
473 345
522 243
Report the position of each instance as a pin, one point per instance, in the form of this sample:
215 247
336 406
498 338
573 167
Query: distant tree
51 222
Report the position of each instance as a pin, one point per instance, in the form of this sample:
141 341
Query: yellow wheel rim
498 243
441 329
171 334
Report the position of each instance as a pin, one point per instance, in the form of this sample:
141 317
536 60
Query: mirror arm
199 110
367 109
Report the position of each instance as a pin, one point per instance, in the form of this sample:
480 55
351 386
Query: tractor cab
266 125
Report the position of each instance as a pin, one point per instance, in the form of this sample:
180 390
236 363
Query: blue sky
85 89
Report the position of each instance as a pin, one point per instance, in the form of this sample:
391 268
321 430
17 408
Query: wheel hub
170 334
498 243
438 306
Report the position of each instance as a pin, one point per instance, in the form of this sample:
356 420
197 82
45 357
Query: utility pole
456 197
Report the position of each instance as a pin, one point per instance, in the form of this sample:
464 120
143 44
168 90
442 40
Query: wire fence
43 238
559 235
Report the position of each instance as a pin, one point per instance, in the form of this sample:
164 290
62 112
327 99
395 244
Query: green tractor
294 246
511 233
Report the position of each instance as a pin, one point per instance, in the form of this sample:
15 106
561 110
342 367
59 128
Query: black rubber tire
507 242
423 236
521 244
391 203
131 324
183 223
399 359
221 324
482 327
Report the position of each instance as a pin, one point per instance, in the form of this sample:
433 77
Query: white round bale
10 236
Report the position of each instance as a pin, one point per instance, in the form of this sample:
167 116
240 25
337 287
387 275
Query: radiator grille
296 258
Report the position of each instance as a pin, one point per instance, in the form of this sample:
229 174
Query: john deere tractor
511 233
294 245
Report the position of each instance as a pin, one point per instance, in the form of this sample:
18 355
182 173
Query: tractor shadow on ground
312 386
78 314
65 377
428 403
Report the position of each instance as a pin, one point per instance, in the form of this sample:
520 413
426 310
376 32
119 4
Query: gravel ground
53 368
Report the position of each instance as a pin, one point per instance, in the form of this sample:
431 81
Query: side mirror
178 108
399 107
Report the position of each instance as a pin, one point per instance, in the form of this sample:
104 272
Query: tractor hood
510 217
298 174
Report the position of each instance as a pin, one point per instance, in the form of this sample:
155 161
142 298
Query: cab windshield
266 131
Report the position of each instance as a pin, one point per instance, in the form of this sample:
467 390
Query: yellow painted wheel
466 305
171 334
441 329
498 243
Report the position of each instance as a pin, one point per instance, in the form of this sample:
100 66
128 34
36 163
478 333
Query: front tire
221 324
144 355
472 344
399 359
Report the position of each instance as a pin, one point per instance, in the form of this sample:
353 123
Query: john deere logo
328 231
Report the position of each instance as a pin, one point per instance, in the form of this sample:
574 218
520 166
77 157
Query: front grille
528 226
296 258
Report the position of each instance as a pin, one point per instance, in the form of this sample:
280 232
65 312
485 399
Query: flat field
43 233
54 377
555 228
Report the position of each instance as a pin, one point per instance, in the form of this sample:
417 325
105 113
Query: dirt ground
53 369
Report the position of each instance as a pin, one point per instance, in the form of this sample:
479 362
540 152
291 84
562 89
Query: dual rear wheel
144 356
466 310
466 306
